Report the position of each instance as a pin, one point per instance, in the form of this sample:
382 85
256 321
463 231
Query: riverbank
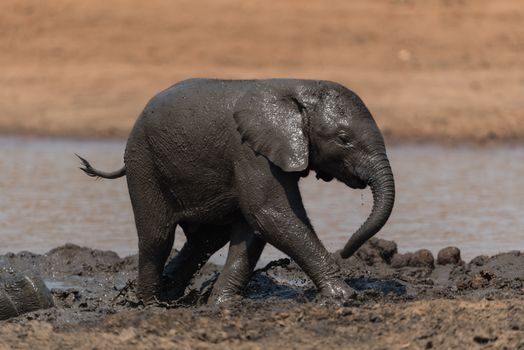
441 71
404 302
445 323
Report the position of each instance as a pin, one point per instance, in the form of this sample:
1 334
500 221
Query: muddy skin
222 159
461 305
20 294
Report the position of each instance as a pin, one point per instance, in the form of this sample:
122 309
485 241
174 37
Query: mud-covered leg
244 251
283 223
202 242
155 223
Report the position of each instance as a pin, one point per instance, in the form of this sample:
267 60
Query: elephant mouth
355 183
324 176
351 181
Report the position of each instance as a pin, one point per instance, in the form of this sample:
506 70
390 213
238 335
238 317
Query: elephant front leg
298 240
283 223
244 251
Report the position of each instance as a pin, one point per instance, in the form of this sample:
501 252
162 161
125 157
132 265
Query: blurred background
444 80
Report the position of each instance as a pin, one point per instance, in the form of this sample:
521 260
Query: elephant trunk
383 188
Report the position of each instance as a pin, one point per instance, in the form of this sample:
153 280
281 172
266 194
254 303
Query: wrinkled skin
21 293
222 159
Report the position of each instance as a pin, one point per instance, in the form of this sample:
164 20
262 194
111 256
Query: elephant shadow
385 286
264 287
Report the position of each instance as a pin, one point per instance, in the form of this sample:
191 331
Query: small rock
368 254
375 318
481 279
422 258
480 260
343 311
377 250
401 260
478 282
386 248
70 300
480 339
449 256
514 325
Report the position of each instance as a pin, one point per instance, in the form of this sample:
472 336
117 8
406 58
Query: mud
418 305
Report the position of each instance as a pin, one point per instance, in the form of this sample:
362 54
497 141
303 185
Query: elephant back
22 293
7 307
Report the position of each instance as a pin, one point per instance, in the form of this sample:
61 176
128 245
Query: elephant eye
343 138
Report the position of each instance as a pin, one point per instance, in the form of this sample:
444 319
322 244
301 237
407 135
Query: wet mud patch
424 303
382 286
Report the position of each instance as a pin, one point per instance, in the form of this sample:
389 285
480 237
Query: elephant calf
222 159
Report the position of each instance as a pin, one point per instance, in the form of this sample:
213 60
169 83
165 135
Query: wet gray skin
20 294
222 159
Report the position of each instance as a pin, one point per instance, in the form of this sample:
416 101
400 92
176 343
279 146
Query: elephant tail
90 171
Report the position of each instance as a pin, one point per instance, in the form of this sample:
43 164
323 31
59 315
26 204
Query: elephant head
324 127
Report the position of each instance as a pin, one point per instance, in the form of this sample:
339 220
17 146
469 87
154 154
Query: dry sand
428 70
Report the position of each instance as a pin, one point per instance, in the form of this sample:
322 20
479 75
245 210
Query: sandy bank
431 70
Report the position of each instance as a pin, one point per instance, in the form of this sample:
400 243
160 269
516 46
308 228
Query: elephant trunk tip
382 187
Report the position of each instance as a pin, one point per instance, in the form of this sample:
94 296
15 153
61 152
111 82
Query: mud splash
93 292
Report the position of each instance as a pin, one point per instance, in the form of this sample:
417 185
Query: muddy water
469 197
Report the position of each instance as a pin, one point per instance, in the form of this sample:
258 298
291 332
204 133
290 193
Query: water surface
468 197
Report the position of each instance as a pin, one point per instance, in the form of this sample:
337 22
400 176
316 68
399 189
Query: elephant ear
270 120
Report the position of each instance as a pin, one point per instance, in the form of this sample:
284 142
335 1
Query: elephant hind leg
155 220
201 243
245 249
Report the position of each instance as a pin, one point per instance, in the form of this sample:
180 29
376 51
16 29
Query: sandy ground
429 70
403 302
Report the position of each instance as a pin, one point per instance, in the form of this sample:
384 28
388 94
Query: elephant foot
336 292
223 298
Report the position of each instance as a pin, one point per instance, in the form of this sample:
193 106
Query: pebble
449 256
401 260
377 250
422 258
